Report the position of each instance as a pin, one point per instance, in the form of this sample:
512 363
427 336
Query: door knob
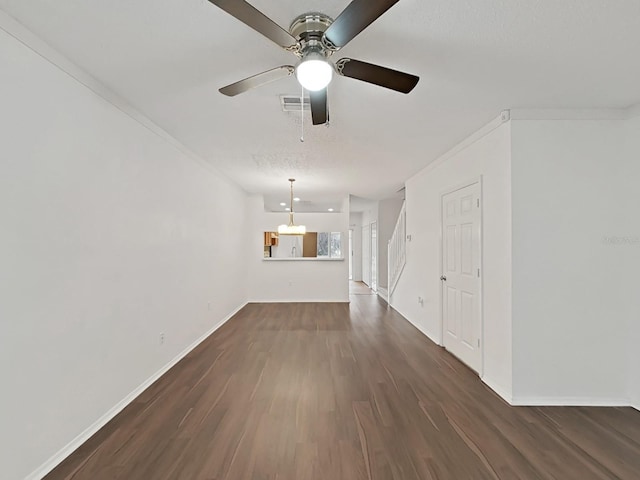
443 278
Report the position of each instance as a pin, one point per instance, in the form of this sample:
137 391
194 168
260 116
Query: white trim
374 289
481 267
298 300
459 186
350 258
420 328
467 142
303 259
568 402
25 36
502 392
68 449
383 294
533 114
535 401
568 113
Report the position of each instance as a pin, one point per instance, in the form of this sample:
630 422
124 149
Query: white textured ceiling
474 57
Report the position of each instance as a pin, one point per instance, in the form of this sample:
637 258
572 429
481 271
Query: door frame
366 238
373 260
351 253
443 193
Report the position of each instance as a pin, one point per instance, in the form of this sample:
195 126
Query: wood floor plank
337 391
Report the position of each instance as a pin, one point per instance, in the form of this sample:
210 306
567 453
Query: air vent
291 103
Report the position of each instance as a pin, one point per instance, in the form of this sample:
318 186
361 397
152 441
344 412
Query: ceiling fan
313 38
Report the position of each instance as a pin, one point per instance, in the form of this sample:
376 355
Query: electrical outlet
161 338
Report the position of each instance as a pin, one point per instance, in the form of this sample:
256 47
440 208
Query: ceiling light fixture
314 72
292 228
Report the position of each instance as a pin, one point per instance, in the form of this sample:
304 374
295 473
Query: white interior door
350 254
461 254
374 257
366 255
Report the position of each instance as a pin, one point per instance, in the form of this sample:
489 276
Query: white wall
110 235
486 154
574 292
388 211
370 214
296 280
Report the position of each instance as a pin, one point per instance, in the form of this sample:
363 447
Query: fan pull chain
301 113
327 123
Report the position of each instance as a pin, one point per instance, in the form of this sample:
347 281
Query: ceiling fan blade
318 102
257 80
381 76
358 15
257 20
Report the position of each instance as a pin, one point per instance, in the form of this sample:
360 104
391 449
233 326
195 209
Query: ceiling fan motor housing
308 29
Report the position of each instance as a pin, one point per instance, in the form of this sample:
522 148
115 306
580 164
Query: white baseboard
524 401
568 402
67 450
422 330
498 389
382 293
426 333
301 300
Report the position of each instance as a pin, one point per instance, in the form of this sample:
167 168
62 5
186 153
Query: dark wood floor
341 392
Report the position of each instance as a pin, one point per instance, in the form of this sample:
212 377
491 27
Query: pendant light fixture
291 228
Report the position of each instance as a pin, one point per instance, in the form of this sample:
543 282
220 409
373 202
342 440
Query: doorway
366 255
461 270
374 257
351 254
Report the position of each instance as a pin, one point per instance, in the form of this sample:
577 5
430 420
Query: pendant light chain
327 123
291 224
301 117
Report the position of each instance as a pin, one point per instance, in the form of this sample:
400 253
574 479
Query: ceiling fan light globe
314 74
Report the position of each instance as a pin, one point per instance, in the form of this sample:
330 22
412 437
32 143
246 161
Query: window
330 244
335 247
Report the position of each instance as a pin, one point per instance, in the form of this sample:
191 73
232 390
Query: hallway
339 392
359 288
